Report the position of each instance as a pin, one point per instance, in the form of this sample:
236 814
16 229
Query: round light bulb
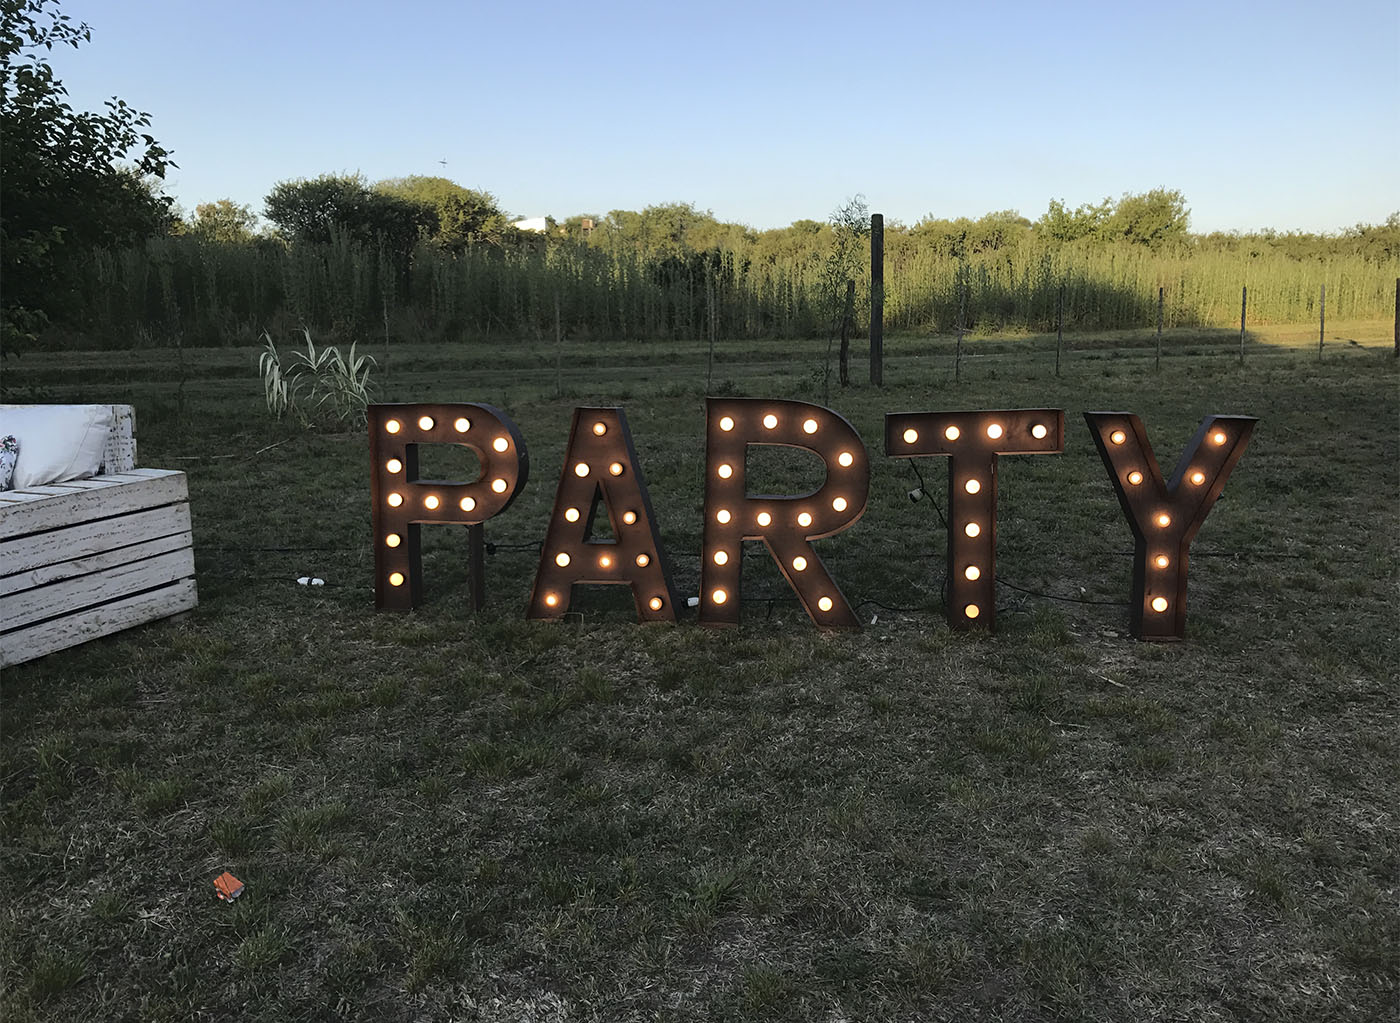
1134 477
1198 477
726 424
1159 604
643 560
656 603
725 471
972 610
393 465
461 424
393 540
498 485
911 435
721 558
719 596
393 426
824 604
845 458
571 514
1219 437
500 444
805 519
467 503
1164 520
629 517
1118 436
972 529
600 428
764 518
615 469
604 561
396 579
581 469
722 515
809 426
972 573
799 564
972 486
395 500
1039 431
952 433
839 504
770 421
551 599
561 559
994 430
425 423
1162 561
431 502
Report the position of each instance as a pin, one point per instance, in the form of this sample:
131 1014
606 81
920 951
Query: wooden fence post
877 299
1321 322
1059 328
1244 298
1160 293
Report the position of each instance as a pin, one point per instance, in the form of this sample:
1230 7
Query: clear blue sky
1281 114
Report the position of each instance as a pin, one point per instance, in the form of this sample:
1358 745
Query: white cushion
57 443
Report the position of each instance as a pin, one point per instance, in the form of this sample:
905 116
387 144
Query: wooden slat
54 572
36 641
150 489
71 595
59 545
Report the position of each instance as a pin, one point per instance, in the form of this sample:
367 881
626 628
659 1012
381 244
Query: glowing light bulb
809 426
551 599
911 435
1118 436
952 433
726 424
393 540
799 564
393 426
824 604
722 516
1164 520
764 518
498 485
972 573
839 504
805 519
395 500
396 579
1219 437
721 558
393 465
425 423
604 561
972 610
1134 477
972 529
994 430
1159 604
725 471
500 444
431 502
467 503
461 424
1198 477
615 469
599 429
719 596
845 458
571 515
972 486
1039 431
629 517
770 421
1161 561
561 559
656 603
643 560
581 469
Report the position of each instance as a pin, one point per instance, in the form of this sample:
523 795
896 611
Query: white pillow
57 443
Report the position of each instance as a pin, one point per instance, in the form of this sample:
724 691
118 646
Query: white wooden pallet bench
91 557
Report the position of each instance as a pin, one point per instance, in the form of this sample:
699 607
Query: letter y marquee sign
603 476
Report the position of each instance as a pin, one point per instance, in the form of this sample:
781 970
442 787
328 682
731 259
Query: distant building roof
536 224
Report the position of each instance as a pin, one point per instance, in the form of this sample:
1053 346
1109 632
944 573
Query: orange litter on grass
228 887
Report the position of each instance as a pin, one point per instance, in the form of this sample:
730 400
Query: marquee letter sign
973 441
601 468
401 502
787 524
1165 516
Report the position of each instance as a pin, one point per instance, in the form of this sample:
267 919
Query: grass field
448 815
